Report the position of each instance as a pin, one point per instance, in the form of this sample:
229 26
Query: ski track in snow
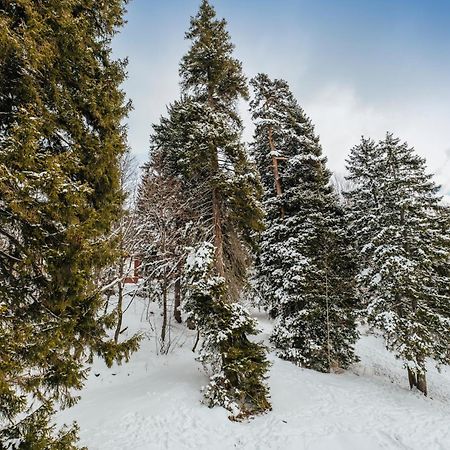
154 403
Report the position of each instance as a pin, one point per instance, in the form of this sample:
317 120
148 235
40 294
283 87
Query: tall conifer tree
305 270
60 143
214 82
403 234
199 143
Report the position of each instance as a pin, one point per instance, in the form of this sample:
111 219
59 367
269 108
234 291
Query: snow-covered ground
153 402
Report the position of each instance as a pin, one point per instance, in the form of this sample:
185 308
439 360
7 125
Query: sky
357 67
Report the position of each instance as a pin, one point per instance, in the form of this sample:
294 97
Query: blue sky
357 67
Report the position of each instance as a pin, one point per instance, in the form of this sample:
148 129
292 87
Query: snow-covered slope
153 402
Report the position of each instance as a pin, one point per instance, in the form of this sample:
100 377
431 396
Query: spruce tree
305 270
403 274
199 144
60 143
364 165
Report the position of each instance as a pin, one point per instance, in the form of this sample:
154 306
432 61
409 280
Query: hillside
153 402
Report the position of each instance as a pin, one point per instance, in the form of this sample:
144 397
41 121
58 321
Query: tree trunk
119 310
122 261
164 322
276 174
108 296
196 341
422 382
218 235
411 378
418 379
216 200
164 296
328 320
164 288
177 298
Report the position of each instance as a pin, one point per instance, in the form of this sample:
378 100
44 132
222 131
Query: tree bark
108 296
412 378
422 383
328 320
218 234
217 221
119 312
177 297
196 341
164 296
120 294
216 198
418 379
276 174
164 322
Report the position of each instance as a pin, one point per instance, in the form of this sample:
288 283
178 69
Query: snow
153 402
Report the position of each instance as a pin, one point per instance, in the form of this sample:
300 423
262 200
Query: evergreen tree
405 244
199 144
364 165
305 272
237 365
214 81
60 143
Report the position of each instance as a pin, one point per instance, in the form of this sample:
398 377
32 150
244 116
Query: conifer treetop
284 131
208 70
274 105
272 98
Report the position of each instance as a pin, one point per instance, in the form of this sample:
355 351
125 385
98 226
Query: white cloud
341 118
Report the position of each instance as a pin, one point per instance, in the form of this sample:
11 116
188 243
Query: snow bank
154 403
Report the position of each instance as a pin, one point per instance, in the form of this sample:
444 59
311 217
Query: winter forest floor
153 402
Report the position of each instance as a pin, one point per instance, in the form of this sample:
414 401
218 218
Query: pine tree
199 144
305 270
60 143
405 245
214 80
